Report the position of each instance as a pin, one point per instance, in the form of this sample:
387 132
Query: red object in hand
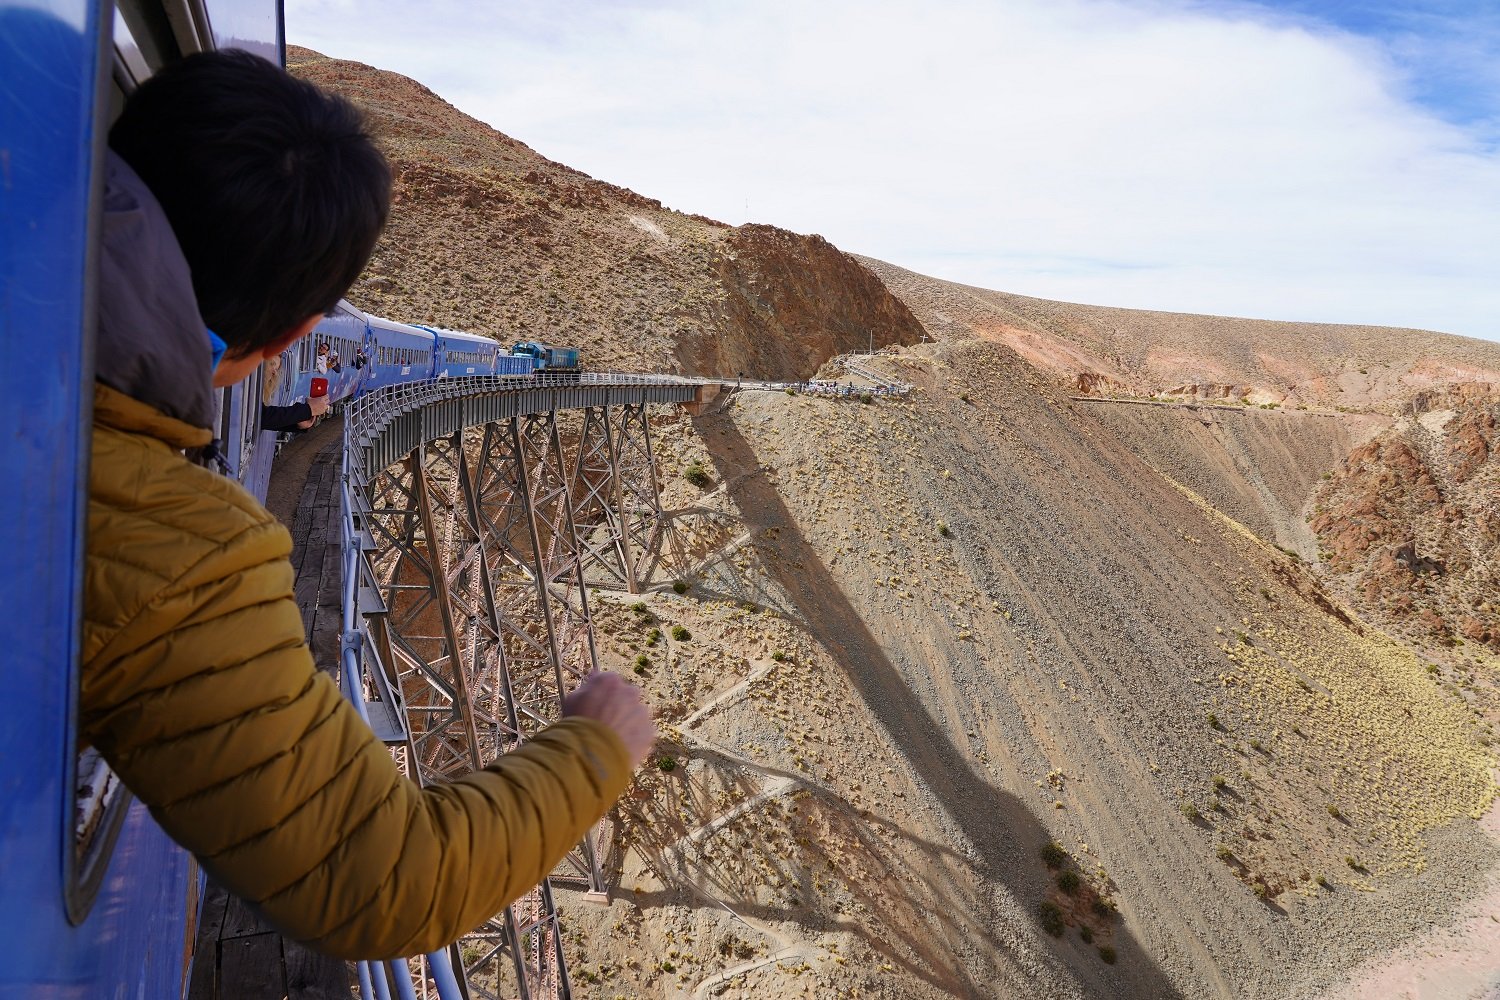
319 387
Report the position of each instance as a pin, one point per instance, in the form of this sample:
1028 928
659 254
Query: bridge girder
485 540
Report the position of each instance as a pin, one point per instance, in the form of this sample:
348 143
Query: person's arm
285 418
211 711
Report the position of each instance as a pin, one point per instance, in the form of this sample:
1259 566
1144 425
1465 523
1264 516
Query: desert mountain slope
1142 353
488 236
1005 629
952 672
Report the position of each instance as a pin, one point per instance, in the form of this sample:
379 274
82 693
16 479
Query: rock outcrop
1410 522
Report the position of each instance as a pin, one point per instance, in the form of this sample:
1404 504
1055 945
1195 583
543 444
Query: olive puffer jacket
198 688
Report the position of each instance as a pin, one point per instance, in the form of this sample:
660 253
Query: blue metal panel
514 364
453 345
131 944
415 348
346 332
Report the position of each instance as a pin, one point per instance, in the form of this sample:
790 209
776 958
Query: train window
99 805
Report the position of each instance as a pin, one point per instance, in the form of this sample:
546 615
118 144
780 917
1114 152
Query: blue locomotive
546 358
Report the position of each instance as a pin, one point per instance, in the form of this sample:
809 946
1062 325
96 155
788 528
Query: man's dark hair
273 187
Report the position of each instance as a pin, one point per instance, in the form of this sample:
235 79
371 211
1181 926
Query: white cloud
1151 154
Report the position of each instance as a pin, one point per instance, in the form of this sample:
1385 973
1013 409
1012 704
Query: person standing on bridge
239 205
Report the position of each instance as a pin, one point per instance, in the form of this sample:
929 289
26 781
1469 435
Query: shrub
1189 811
1262 891
944 530
1051 919
667 966
1220 782
1067 881
653 637
639 607
1333 811
1224 852
1104 909
866 398
778 656
1054 855
1213 721
1244 639
681 634
679 587
1107 954
791 391
697 475
640 670
641 663
1087 933
667 764
1323 881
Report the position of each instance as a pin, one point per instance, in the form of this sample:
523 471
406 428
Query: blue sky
1446 51
1302 160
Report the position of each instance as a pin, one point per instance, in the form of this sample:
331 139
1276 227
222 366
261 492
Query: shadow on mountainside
1005 834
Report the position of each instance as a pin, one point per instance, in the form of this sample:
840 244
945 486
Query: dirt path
1458 962
776 784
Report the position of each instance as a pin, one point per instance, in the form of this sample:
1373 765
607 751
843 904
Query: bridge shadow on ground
1005 835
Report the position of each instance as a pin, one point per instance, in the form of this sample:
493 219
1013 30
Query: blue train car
399 353
339 350
460 353
95 901
546 358
514 366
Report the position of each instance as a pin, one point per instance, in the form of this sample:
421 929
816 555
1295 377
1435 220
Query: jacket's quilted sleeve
201 694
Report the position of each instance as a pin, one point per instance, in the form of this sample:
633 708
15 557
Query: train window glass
128 56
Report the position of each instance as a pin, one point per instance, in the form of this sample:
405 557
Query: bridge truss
478 514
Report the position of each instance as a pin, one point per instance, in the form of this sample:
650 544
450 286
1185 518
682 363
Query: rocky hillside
987 691
487 235
1410 522
1131 352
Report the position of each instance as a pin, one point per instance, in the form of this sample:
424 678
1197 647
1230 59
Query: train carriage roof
461 336
385 328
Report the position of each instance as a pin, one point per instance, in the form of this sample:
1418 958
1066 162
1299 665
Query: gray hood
151 344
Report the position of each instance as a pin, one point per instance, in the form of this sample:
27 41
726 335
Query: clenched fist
614 701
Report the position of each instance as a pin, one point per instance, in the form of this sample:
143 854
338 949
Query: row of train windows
340 348
469 357
400 356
